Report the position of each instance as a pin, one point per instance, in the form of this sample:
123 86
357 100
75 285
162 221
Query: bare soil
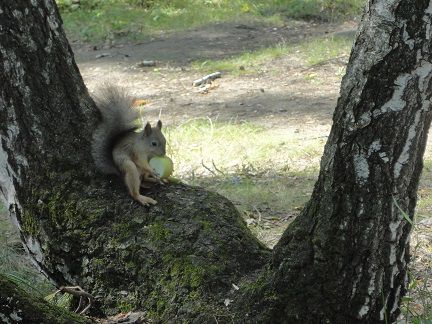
277 93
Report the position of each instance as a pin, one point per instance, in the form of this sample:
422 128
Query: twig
146 63
259 214
214 166
207 168
206 78
77 291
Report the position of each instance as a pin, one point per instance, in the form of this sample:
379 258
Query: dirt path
280 93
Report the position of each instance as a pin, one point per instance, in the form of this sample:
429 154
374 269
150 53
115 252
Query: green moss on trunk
177 259
17 306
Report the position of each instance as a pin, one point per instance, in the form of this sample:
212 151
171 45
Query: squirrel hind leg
133 182
145 201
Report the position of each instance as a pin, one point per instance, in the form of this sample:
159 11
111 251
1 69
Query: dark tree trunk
17 306
342 260
177 259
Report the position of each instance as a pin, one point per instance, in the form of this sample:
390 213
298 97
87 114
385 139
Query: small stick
214 166
206 78
79 292
207 168
80 304
259 214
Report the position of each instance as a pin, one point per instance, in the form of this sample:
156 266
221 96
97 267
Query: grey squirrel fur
119 120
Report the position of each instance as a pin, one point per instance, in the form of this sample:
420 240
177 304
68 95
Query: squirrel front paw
145 201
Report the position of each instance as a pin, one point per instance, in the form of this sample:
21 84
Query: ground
278 93
282 93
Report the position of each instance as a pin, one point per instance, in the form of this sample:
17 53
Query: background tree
343 259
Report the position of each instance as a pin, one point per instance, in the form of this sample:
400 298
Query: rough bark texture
342 261
17 306
176 260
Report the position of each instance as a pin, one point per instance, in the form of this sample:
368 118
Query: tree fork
177 259
342 260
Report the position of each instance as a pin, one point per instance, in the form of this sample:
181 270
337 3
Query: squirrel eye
153 143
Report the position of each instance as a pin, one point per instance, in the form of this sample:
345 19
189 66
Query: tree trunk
177 259
17 306
342 260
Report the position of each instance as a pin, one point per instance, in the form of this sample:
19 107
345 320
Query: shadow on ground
215 41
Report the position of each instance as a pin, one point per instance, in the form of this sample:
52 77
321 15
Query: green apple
162 166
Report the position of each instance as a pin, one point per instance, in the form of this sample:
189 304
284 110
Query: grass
267 173
249 62
325 10
13 262
210 148
101 20
424 202
115 19
417 303
311 51
320 50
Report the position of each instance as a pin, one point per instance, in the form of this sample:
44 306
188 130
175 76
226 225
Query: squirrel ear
159 124
147 129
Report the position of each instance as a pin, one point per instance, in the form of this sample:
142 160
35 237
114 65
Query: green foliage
69 5
404 214
63 300
313 51
417 304
328 10
265 172
15 264
320 50
98 20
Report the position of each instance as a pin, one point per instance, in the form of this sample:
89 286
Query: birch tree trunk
343 260
176 260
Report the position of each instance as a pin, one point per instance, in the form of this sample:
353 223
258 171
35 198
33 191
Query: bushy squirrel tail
118 119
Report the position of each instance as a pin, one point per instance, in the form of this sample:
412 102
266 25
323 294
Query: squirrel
117 147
